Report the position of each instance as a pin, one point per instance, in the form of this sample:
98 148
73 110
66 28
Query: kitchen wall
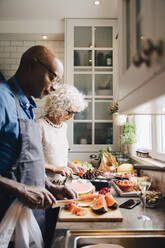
11 51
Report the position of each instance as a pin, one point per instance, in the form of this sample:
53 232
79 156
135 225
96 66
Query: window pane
103 133
82 58
82 133
104 85
101 110
103 37
84 83
82 36
160 127
144 131
103 58
86 114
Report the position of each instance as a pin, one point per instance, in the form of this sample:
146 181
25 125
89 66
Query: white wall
32 26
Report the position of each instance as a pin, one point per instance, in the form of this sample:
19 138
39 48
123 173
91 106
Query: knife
61 203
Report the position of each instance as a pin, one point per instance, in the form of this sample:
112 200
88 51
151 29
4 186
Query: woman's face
67 116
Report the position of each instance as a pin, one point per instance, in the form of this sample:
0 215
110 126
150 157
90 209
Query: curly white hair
64 98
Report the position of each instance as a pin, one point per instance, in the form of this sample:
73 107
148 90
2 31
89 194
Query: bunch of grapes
90 174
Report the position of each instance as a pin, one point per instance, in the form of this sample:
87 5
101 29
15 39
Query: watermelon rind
111 203
114 206
99 209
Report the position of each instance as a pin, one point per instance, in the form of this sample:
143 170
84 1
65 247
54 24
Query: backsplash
158 179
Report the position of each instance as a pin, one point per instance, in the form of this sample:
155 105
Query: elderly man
22 173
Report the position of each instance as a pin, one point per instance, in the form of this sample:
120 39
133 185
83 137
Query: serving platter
133 193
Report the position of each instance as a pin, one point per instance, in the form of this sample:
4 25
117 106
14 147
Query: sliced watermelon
79 211
70 206
100 206
89 197
74 209
110 201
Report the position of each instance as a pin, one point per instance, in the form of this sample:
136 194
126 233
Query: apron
29 168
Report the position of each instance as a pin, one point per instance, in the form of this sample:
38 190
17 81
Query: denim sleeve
2 113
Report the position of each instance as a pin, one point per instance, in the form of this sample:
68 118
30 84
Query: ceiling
27 10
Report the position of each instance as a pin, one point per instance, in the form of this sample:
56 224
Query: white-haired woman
60 106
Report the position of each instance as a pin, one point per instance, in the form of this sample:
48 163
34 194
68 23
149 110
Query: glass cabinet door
103 37
103 85
93 74
83 82
82 36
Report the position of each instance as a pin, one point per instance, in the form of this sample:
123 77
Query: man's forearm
10 186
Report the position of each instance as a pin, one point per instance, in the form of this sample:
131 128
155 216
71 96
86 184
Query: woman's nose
52 88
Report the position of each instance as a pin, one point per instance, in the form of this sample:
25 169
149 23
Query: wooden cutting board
110 216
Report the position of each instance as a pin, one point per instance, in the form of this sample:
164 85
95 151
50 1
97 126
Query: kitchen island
130 222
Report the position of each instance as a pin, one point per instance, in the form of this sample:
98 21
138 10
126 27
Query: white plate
103 246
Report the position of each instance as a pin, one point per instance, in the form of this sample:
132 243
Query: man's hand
31 196
61 192
36 197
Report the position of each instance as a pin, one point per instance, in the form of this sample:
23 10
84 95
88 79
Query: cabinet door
91 66
139 21
159 30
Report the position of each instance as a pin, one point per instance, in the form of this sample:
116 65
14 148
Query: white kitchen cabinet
91 66
139 21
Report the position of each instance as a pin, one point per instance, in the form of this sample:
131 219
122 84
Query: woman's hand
75 167
64 171
50 167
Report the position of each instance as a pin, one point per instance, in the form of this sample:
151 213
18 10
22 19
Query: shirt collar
24 101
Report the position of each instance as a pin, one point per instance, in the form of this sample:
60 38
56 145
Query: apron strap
12 86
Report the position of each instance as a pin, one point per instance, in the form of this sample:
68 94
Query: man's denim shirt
9 126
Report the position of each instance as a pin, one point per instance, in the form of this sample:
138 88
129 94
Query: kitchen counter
130 222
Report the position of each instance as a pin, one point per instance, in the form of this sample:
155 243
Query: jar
83 141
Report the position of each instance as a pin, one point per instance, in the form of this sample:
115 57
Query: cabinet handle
138 60
149 47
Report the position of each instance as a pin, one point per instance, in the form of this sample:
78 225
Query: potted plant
129 137
118 119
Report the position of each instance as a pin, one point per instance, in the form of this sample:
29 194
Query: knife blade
61 203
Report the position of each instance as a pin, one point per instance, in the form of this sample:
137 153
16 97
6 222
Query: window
150 131
144 131
160 124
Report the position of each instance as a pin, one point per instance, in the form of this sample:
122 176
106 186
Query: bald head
40 52
39 69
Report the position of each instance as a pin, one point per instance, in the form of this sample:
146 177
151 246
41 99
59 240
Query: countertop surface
130 221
